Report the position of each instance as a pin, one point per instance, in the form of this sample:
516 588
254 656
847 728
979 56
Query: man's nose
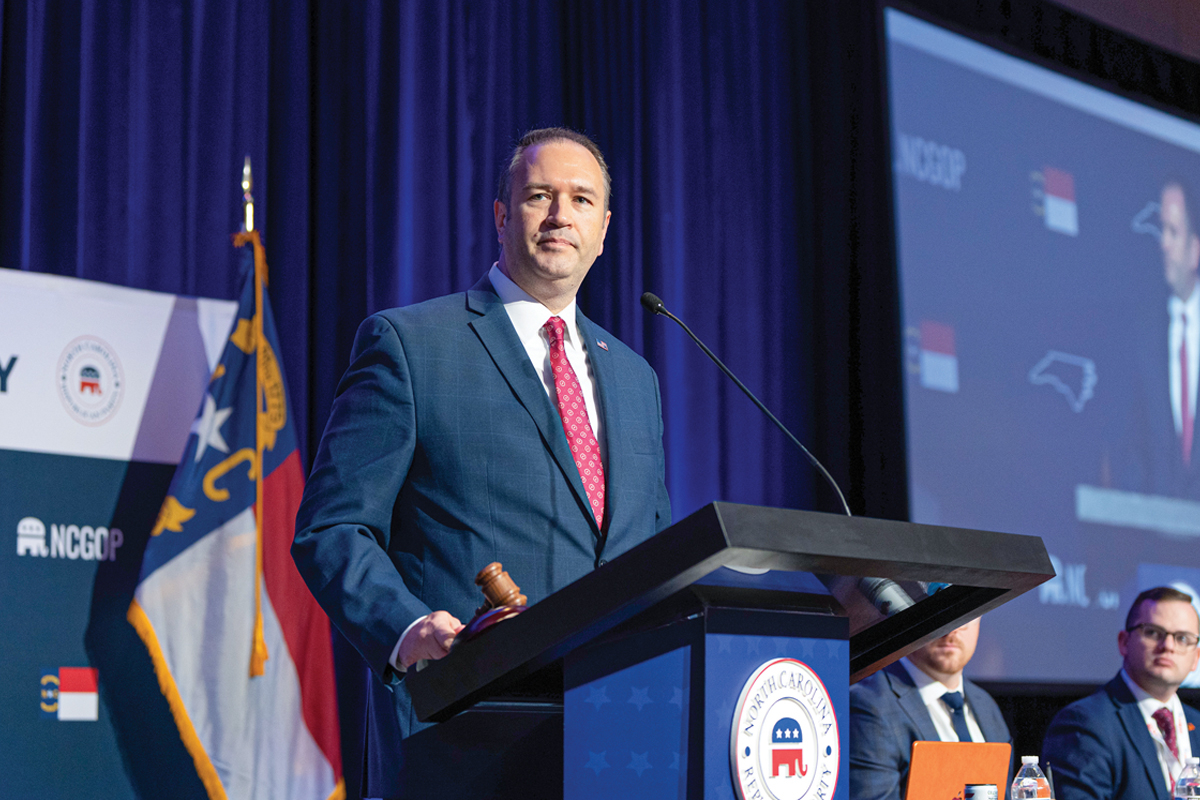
559 211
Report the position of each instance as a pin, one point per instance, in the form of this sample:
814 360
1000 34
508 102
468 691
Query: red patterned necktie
1184 406
584 447
1166 724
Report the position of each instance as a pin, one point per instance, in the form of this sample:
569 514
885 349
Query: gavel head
498 588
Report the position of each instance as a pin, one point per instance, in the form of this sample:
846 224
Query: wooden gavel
498 589
502 599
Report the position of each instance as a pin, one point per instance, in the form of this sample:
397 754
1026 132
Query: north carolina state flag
939 363
240 648
1062 214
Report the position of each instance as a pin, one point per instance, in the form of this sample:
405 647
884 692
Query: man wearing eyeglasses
1132 738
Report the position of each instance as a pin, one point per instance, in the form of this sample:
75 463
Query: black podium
713 660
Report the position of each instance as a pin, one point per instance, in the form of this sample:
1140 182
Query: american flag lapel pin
602 343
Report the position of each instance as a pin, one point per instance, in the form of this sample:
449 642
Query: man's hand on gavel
430 639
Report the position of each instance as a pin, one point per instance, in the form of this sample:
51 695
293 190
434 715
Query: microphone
884 594
654 304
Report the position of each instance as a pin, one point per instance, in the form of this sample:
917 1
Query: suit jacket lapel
610 411
910 700
1135 728
988 724
495 331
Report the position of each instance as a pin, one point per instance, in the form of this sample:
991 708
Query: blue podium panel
778 717
625 733
725 704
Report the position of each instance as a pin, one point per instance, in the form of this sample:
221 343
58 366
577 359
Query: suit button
602 562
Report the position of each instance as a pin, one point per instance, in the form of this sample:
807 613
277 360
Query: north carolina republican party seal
784 742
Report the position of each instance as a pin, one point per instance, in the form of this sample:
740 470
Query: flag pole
258 653
247 198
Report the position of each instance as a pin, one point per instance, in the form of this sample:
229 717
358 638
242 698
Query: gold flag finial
247 198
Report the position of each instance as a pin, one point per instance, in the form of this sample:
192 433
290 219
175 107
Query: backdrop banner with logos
99 386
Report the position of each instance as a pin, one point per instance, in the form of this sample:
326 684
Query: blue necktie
955 701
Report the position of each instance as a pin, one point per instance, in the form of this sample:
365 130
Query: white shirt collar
1147 702
528 315
929 687
1191 305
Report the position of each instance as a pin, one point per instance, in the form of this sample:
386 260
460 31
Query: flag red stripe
937 337
77 679
1059 183
305 626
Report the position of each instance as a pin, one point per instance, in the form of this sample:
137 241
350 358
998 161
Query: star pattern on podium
639 697
597 696
596 761
639 762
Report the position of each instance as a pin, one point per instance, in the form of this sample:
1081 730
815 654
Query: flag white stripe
78 706
201 606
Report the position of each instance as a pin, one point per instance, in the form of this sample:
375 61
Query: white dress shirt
528 316
1171 766
931 692
1177 308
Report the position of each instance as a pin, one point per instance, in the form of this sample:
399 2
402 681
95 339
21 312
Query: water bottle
1030 782
1188 782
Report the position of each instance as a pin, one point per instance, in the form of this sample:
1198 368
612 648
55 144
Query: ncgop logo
784 743
73 542
90 380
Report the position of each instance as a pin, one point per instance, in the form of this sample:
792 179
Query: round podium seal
784 741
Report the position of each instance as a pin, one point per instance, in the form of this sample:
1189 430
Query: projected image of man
1130 740
1163 453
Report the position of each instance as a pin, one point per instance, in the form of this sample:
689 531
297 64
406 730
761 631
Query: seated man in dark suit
923 697
1130 740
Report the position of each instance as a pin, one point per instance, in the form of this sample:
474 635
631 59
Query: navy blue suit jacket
887 715
1099 747
1154 453
444 453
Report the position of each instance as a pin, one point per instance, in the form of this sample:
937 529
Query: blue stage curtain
745 138
701 109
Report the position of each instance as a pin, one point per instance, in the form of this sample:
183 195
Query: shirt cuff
395 659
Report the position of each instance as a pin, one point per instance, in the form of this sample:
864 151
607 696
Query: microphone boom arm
652 303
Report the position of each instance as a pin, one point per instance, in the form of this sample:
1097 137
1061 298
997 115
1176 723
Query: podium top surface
984 569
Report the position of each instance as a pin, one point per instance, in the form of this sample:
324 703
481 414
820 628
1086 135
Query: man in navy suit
1164 456
923 697
446 447
1131 739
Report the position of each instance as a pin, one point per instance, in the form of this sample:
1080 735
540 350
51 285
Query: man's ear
500 212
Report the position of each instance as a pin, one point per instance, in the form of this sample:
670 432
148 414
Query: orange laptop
940 770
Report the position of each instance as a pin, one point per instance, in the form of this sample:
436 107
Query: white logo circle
784 742
90 380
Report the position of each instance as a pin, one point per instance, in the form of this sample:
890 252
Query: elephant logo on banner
90 380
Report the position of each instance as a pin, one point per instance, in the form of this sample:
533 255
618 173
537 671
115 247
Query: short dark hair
540 136
1157 595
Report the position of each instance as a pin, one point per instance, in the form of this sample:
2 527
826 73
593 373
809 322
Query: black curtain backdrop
751 183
